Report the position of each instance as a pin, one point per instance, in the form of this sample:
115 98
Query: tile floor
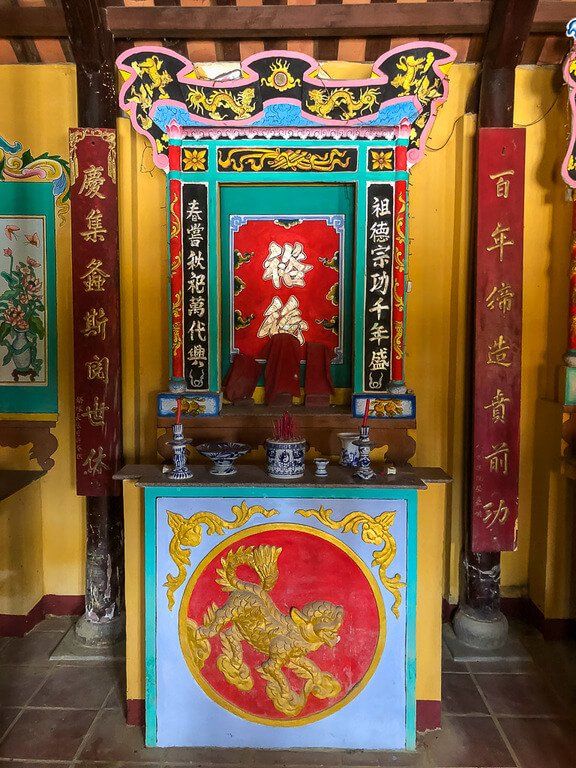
495 716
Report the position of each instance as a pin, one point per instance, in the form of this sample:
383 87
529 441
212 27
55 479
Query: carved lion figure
250 615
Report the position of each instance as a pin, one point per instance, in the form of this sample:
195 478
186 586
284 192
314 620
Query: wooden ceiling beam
282 21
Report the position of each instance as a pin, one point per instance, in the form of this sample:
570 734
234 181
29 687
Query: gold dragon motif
242 104
250 615
416 76
187 532
291 159
324 102
373 530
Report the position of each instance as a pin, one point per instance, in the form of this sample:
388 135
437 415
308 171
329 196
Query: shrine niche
288 203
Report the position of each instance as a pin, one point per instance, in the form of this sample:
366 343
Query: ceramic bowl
223 455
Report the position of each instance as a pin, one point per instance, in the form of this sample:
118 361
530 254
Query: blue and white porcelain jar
285 458
349 451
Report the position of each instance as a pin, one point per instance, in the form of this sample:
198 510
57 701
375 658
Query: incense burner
285 458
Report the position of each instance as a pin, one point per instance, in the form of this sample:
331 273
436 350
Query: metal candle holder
181 471
364 471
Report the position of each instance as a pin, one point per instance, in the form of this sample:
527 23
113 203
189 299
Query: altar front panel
280 622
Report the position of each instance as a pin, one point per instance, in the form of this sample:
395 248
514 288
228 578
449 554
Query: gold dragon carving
373 530
242 104
416 76
323 102
187 532
250 615
240 159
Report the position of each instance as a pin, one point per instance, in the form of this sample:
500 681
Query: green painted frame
206 171
153 493
35 198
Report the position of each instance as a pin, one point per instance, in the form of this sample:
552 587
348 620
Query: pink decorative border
379 78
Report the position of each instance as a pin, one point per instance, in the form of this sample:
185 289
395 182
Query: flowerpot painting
23 300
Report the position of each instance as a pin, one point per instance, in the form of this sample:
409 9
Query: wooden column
93 48
479 620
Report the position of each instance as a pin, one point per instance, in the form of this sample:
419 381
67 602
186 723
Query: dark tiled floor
504 715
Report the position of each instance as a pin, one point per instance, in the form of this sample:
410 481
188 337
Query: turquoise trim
411 600
35 199
153 493
150 614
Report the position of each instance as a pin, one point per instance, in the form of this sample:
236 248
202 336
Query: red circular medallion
282 624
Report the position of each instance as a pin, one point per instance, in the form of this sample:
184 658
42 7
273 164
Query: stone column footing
480 629
102 633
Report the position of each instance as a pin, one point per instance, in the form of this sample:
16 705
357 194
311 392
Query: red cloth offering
282 375
318 377
242 378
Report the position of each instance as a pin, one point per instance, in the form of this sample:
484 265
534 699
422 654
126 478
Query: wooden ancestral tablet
319 426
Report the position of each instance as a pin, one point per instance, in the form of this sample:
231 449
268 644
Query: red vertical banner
96 310
399 272
176 268
498 339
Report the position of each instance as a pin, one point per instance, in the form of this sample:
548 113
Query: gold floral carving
106 134
240 159
400 234
373 530
381 160
398 338
194 160
175 225
187 532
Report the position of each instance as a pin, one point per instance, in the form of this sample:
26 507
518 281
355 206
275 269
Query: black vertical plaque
378 286
195 300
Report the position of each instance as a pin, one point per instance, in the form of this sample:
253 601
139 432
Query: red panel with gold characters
95 282
498 332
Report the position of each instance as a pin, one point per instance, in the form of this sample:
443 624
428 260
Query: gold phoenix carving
373 530
240 159
249 614
187 532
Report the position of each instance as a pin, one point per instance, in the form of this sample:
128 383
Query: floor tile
7 717
524 695
460 695
541 743
83 687
35 648
9 763
504 666
467 741
56 624
111 739
17 684
448 663
367 759
299 757
43 734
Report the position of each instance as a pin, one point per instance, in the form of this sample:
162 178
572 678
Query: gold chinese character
97 368
500 297
500 240
493 515
498 459
502 183
95 323
498 353
498 406
96 413
95 231
95 277
95 462
93 180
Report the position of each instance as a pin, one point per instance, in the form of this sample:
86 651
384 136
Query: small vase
349 451
285 458
22 352
321 467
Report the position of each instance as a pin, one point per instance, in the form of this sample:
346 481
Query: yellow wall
44 523
440 204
